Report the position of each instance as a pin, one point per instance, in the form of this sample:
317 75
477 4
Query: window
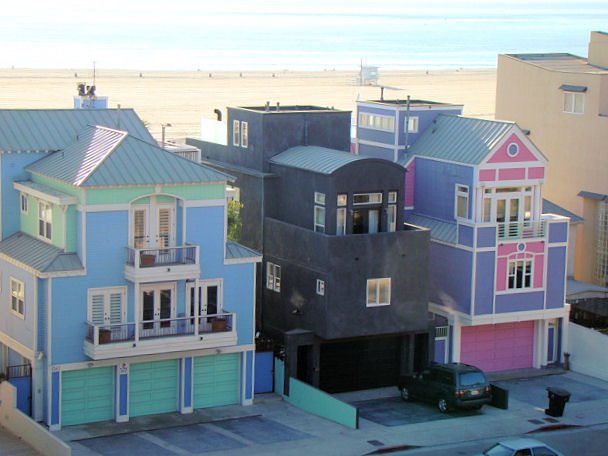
273 277
23 203
320 212
520 274
378 292
341 199
462 202
341 221
376 122
391 216
45 220
367 198
574 102
392 197
236 133
17 297
244 135
321 287
412 125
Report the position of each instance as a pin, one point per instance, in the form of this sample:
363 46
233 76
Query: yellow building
562 100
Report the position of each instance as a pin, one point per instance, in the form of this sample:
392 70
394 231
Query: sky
136 33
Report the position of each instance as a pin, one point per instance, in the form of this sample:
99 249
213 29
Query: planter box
146 259
105 336
218 325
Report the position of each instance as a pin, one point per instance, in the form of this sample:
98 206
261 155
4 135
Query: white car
521 447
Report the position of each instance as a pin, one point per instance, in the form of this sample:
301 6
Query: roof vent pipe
218 113
278 106
267 106
118 117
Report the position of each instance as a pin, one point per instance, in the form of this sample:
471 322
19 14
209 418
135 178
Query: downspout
407 123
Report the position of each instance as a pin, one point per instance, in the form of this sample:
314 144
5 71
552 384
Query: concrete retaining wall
587 347
25 428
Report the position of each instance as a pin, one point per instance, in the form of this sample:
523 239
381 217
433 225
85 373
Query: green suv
449 386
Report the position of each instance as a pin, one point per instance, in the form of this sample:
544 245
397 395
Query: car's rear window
472 378
498 450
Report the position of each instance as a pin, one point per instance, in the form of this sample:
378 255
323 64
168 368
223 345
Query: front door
157 309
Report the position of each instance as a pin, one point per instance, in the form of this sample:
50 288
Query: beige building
562 100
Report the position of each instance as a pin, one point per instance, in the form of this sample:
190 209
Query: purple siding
484 283
558 232
435 186
366 150
486 237
465 235
451 271
520 302
556 277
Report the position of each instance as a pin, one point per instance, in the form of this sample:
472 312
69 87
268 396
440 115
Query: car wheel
442 405
405 393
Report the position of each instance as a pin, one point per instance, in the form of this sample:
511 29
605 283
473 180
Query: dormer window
45 220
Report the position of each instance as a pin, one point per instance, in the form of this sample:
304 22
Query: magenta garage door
498 347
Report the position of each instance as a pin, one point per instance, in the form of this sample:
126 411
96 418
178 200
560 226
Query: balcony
171 263
160 336
521 230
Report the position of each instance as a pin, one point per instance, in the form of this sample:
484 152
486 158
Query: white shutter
139 228
96 310
164 227
116 308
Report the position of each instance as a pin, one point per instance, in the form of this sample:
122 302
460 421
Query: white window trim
106 292
47 223
458 193
18 295
410 124
319 222
340 230
376 121
24 203
320 198
321 287
572 96
524 261
391 218
244 134
341 199
236 133
373 198
377 284
273 277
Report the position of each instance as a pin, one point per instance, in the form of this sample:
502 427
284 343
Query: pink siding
410 177
511 174
531 247
487 175
501 274
498 347
524 155
539 266
536 173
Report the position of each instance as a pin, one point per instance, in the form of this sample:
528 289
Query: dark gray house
344 282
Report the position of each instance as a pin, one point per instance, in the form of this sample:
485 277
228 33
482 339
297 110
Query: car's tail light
459 394
488 389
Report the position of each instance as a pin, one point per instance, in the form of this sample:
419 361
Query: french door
204 299
157 309
153 225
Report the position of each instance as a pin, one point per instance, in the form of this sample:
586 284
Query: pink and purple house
498 266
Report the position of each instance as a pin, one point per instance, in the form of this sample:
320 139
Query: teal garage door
216 380
153 387
87 396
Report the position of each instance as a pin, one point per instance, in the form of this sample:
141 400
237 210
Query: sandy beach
183 98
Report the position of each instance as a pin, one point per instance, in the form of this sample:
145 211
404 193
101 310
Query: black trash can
557 401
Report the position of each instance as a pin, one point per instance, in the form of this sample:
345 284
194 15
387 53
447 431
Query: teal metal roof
316 159
460 139
102 157
552 208
440 230
39 255
236 251
31 130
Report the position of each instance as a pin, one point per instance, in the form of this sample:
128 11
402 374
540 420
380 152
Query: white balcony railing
521 230
163 328
169 256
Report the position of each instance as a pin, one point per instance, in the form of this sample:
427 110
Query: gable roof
102 157
33 130
316 159
39 255
460 139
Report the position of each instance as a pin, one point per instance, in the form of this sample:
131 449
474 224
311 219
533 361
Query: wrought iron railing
172 327
521 230
169 256
22 370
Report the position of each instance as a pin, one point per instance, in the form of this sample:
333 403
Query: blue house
122 295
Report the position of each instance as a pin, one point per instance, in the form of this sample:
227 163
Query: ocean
282 35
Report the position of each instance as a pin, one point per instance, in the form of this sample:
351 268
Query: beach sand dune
183 98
